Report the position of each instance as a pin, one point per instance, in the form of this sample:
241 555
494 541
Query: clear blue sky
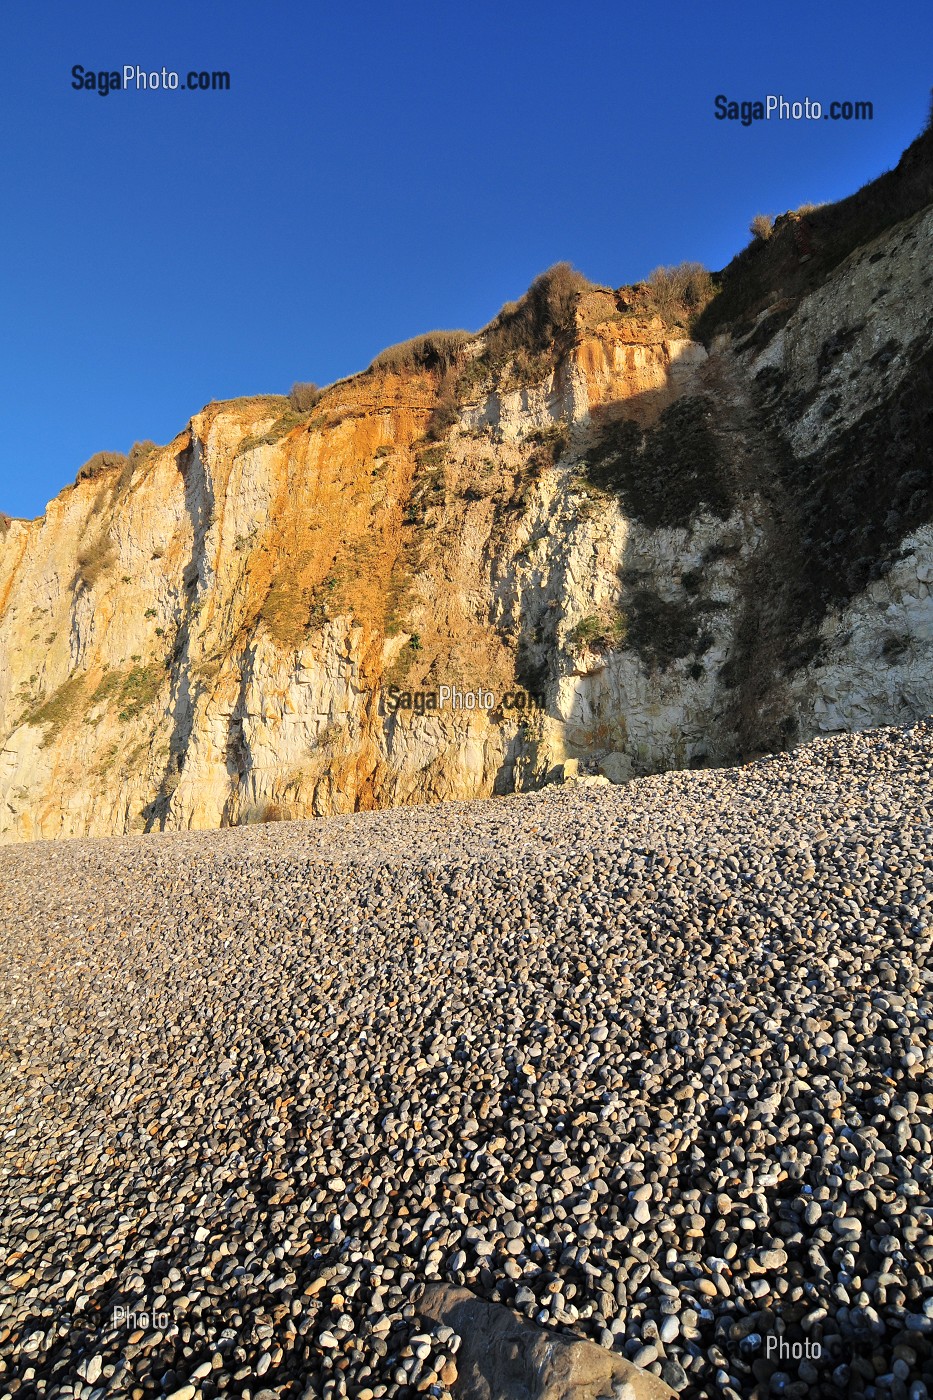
377 170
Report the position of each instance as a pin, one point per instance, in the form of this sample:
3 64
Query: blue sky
378 170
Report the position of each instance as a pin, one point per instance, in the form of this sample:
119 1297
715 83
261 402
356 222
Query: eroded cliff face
687 553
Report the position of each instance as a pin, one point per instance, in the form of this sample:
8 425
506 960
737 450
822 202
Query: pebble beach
651 1065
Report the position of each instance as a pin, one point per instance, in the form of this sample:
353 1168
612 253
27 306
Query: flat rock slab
503 1357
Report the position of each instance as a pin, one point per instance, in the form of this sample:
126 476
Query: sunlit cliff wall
690 553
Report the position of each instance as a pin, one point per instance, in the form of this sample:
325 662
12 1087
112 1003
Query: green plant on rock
62 706
598 633
139 689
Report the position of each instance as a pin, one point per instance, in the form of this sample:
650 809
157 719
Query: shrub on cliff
304 397
447 409
598 633
139 452
762 226
546 310
680 293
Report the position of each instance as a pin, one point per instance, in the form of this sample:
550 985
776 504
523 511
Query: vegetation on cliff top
804 245
528 327
518 343
98 464
436 352
677 294
102 462
304 397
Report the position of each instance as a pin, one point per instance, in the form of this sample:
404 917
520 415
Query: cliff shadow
683 472
199 504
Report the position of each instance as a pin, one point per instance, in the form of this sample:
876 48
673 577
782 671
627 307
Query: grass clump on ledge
60 707
95 559
139 689
598 633
98 464
437 352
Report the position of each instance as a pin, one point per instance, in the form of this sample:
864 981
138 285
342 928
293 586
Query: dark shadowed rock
503 1357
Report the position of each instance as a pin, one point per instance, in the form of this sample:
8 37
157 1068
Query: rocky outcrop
635 551
504 1357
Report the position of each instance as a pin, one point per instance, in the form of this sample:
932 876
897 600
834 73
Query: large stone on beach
617 767
503 1357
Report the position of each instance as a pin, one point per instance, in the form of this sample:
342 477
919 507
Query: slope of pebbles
650 1064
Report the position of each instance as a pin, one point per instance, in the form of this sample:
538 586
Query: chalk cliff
693 539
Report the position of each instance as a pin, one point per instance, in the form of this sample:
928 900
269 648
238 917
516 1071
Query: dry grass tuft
437 351
762 226
304 397
95 559
98 464
679 294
